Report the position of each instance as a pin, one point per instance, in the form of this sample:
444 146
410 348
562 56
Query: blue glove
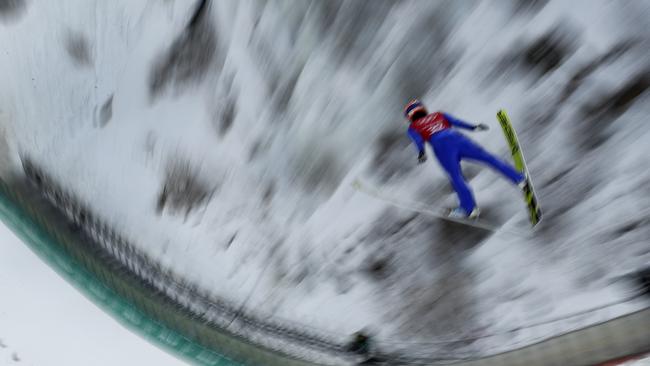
422 157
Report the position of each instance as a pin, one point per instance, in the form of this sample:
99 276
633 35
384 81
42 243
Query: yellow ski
534 211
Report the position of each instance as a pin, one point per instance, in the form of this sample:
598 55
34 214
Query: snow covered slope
223 142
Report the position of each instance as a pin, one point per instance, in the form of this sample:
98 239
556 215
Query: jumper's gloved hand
422 157
481 127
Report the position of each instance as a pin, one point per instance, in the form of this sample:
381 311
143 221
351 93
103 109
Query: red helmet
412 107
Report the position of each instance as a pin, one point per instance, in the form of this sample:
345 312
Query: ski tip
502 116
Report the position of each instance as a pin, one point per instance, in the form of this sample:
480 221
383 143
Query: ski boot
459 213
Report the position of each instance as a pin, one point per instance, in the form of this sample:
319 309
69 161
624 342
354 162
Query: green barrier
121 292
126 313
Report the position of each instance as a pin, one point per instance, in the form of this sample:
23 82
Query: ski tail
479 223
534 210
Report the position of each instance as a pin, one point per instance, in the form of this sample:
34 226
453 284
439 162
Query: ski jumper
450 147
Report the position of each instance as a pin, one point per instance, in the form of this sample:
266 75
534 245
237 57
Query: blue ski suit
450 147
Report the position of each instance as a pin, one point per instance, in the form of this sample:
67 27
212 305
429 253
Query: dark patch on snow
378 268
528 6
538 57
326 14
12 10
231 240
389 223
150 144
183 189
275 248
270 67
556 177
578 78
269 193
548 52
416 262
281 77
188 58
539 116
426 46
320 170
616 103
226 118
643 280
591 131
280 270
426 57
199 14
441 307
503 68
590 274
355 25
539 119
391 155
627 228
255 150
15 357
106 112
284 92
434 191
415 79
79 49
453 236
565 191
343 282
301 275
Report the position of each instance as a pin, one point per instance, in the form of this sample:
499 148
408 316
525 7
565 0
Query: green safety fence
44 245
135 304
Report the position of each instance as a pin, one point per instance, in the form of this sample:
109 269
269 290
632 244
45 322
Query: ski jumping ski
479 223
530 197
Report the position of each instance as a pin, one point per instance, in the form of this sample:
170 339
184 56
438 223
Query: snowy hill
223 140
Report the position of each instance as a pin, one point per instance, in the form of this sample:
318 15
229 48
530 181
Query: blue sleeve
458 123
417 139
